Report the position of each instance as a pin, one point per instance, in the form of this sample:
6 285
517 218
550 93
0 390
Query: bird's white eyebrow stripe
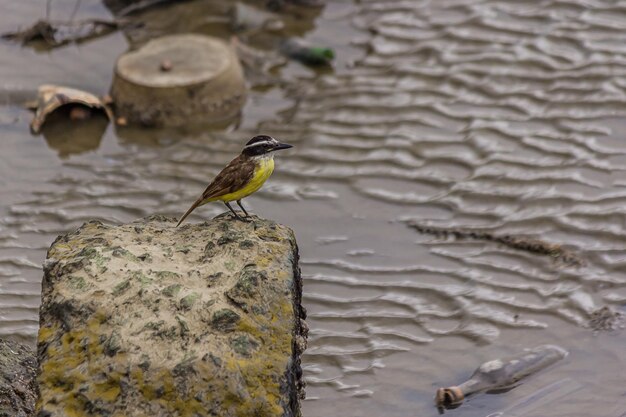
265 142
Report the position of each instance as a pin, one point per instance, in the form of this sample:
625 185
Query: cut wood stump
179 80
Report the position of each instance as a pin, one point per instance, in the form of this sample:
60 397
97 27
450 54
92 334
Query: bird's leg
234 212
244 210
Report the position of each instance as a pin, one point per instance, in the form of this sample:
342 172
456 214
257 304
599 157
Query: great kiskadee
242 176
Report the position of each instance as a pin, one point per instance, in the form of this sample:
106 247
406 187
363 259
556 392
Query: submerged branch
141 6
531 245
55 34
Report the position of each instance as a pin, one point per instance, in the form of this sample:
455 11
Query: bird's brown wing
232 178
235 176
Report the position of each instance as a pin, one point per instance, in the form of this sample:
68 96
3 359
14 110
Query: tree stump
179 80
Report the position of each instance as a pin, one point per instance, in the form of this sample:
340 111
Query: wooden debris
528 244
246 18
55 34
52 97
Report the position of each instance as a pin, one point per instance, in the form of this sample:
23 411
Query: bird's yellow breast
263 170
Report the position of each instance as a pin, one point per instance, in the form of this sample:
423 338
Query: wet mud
506 117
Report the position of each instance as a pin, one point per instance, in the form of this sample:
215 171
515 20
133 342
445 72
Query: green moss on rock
124 253
246 244
171 290
244 344
77 283
187 302
225 320
121 287
167 275
245 292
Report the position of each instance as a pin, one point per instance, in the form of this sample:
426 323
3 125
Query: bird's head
262 145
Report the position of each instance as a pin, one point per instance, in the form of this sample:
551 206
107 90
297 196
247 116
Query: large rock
146 319
18 388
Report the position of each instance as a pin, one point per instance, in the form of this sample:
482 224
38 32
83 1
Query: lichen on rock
132 325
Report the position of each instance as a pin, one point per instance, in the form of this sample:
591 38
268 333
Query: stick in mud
55 34
141 6
531 245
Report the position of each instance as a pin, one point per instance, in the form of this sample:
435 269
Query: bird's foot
242 219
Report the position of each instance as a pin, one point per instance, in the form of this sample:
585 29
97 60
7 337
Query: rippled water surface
507 116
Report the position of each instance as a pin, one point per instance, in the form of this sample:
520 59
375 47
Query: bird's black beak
282 146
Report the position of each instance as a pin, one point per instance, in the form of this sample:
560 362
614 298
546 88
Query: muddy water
506 116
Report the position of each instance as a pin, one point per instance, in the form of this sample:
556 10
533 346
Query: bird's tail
197 203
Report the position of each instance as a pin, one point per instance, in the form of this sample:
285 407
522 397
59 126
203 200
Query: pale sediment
149 319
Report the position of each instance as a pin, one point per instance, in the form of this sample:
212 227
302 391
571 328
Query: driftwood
55 34
126 8
531 245
278 5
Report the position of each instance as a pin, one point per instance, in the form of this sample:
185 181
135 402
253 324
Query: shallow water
502 115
